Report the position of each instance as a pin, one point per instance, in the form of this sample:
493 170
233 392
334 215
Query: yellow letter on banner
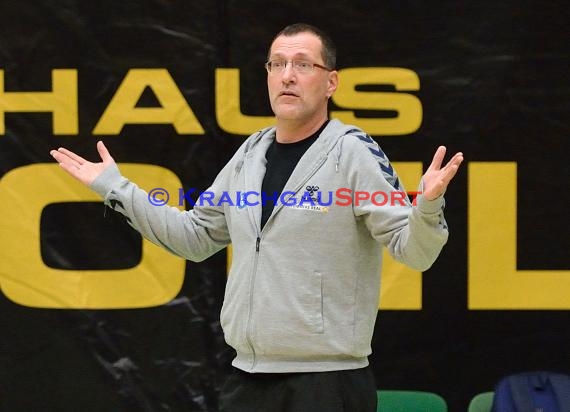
408 106
494 281
122 108
61 102
401 287
228 108
26 280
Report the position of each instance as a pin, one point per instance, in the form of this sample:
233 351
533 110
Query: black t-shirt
281 161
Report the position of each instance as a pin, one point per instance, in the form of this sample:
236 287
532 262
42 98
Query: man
302 295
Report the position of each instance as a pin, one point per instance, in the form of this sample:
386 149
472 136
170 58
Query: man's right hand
84 171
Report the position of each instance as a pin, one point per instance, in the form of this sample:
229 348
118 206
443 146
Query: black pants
337 391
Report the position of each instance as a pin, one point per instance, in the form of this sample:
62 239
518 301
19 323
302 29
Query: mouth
288 93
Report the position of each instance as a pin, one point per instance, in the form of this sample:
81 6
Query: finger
449 173
456 159
63 158
72 155
451 168
104 153
437 158
55 154
71 169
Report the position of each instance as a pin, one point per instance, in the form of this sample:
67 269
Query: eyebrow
299 55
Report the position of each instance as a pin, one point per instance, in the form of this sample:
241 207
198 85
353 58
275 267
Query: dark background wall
493 83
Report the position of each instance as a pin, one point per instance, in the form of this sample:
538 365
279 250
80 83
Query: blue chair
482 402
410 401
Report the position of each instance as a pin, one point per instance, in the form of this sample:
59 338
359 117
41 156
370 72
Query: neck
291 131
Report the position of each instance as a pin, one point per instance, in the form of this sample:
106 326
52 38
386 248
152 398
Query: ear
332 83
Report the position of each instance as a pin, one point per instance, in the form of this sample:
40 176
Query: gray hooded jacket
302 294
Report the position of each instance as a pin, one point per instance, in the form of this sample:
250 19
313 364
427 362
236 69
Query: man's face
296 96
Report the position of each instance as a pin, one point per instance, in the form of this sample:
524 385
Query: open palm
84 171
436 178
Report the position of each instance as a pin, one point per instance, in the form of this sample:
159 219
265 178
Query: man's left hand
436 178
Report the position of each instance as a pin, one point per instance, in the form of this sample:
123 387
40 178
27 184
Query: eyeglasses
300 66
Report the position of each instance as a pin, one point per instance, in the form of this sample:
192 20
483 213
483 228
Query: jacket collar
314 157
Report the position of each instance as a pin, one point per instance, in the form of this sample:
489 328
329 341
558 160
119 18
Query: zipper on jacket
249 328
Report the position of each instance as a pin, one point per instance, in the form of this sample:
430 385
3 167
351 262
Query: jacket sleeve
194 235
413 234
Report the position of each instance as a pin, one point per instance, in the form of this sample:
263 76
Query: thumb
104 153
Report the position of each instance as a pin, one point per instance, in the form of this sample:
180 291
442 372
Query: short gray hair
328 51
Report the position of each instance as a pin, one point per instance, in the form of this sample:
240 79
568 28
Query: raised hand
84 171
436 178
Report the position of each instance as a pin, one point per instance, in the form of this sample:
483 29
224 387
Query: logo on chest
313 200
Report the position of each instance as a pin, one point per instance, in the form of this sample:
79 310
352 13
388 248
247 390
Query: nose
288 75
